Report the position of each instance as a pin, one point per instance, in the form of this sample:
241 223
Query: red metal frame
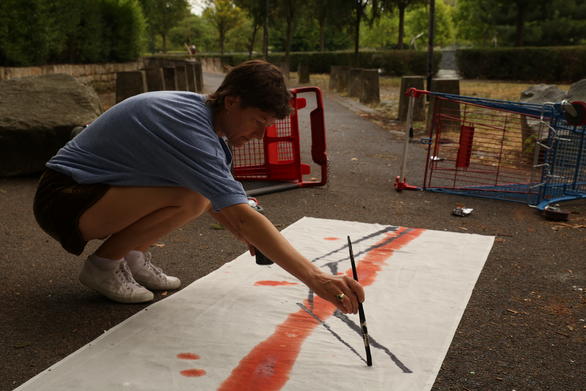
277 157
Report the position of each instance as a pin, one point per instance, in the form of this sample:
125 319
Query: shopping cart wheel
555 213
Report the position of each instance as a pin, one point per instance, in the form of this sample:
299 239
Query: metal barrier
535 154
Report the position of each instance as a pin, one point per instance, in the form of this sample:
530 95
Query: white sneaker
148 274
115 283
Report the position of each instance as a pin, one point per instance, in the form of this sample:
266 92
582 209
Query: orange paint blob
274 283
266 367
188 356
193 372
331 238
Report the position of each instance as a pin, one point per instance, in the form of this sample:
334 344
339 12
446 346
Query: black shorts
60 202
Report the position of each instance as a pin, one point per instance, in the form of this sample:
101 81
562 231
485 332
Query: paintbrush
360 309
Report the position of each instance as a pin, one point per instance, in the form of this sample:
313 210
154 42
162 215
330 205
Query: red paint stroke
188 356
193 372
274 283
266 367
331 238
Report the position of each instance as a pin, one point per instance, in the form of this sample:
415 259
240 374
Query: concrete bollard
190 72
355 82
170 78
181 74
343 81
418 110
284 67
198 77
155 79
129 84
370 91
450 109
335 71
303 73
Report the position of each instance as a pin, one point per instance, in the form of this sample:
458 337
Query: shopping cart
277 158
530 153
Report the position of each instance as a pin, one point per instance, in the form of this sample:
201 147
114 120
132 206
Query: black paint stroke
368 249
350 323
314 316
334 270
376 233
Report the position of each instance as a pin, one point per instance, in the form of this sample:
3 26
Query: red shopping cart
279 157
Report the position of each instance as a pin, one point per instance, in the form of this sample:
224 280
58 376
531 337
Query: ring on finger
340 296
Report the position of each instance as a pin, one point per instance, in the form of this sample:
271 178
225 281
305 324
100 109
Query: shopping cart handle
318 133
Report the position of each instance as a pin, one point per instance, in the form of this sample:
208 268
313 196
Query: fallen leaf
159 244
165 293
354 159
216 226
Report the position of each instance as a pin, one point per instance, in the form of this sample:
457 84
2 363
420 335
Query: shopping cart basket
530 153
278 156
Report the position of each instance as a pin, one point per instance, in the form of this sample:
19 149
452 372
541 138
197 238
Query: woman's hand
342 291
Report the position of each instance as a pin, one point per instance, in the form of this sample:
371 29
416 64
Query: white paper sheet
249 327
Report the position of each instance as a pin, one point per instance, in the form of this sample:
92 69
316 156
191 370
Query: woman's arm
247 224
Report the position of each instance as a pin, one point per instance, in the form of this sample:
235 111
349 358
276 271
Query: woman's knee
194 204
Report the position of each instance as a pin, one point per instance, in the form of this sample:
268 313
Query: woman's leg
133 218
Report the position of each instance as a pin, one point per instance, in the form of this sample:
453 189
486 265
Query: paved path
523 329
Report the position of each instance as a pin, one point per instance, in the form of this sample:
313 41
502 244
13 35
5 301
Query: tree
402 6
224 15
162 16
418 21
256 11
194 30
522 22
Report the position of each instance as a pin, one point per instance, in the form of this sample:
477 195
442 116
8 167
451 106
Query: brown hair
258 84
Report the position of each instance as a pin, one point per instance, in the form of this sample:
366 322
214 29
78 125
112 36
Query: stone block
129 84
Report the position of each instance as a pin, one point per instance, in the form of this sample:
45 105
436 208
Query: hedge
392 62
37 32
534 64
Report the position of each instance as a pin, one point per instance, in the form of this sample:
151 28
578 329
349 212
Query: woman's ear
231 102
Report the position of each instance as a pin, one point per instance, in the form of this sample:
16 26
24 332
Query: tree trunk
222 38
265 34
401 26
288 38
521 7
322 35
252 41
357 32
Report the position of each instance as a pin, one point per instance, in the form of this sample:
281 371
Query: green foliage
34 32
392 62
162 16
417 21
517 22
382 33
224 15
536 64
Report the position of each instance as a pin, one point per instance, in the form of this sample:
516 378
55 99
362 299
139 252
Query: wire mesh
504 150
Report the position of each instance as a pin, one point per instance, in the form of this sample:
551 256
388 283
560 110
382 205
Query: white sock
104 263
134 257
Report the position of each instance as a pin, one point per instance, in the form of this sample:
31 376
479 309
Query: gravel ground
524 327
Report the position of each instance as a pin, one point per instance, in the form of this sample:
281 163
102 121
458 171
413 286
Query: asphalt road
523 329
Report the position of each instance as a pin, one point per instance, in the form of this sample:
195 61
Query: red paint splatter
188 356
331 238
274 283
267 366
193 372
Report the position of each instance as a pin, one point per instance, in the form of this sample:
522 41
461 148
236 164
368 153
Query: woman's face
239 125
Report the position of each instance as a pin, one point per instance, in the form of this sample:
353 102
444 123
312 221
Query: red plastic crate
277 157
